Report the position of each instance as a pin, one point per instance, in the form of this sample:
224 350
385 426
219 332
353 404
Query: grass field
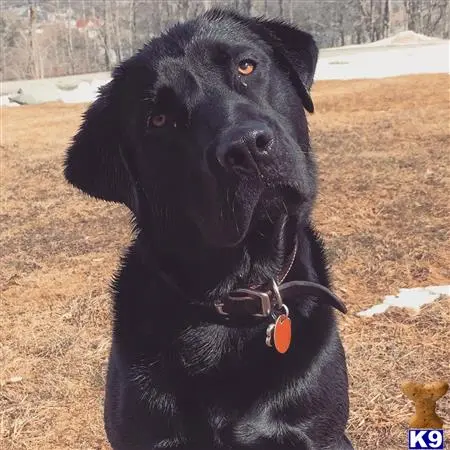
383 150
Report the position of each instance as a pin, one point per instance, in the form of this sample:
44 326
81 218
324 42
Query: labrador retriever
224 333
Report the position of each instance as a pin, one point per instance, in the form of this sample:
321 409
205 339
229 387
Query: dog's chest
207 348
244 428
229 412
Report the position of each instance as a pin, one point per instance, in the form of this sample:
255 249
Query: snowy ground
412 299
401 54
70 89
380 62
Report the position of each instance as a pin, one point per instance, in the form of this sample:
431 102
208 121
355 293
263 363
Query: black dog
204 137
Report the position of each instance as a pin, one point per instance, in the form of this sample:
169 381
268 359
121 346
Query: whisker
233 211
268 215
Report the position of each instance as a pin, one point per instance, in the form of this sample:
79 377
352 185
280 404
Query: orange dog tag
282 333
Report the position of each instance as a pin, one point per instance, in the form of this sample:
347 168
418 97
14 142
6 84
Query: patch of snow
407 38
402 54
381 62
400 39
412 298
38 93
84 93
5 101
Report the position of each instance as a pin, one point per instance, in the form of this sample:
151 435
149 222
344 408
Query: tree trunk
366 12
87 60
133 46
116 28
57 62
433 17
69 40
247 7
371 20
412 12
280 8
340 24
446 20
107 35
359 39
183 10
387 18
33 66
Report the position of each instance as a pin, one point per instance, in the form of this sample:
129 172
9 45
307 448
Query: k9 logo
426 439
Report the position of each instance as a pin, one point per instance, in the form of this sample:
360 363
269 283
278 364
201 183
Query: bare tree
412 8
132 27
107 34
367 13
34 67
86 42
341 25
69 39
246 6
45 41
115 22
291 10
446 20
280 8
387 18
433 15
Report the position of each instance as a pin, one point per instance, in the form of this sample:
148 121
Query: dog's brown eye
246 67
158 121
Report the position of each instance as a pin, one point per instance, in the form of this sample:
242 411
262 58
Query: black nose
241 148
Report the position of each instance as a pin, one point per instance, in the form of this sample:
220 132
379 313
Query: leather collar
259 302
268 299
256 301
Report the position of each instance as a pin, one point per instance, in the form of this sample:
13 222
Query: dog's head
205 126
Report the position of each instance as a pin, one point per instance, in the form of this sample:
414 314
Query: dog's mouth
290 193
225 220
279 199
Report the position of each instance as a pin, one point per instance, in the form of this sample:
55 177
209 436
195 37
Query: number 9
435 439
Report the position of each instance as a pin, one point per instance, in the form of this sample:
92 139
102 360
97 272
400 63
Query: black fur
179 379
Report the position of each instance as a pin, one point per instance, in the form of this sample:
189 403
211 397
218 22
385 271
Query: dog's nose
241 148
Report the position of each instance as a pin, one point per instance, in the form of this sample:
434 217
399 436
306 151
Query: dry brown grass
383 152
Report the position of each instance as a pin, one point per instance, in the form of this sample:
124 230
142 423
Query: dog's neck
261 256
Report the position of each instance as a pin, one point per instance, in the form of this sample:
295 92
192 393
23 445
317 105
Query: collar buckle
244 301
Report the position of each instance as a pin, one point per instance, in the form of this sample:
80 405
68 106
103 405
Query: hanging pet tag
282 333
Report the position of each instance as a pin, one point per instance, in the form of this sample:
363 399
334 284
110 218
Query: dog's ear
94 162
296 52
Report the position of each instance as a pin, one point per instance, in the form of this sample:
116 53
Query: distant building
89 26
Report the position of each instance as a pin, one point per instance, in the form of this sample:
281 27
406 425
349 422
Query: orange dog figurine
425 397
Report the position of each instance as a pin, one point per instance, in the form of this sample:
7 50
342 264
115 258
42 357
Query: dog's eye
157 121
246 67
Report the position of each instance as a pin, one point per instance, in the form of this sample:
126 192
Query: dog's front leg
300 443
177 444
174 443
340 444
